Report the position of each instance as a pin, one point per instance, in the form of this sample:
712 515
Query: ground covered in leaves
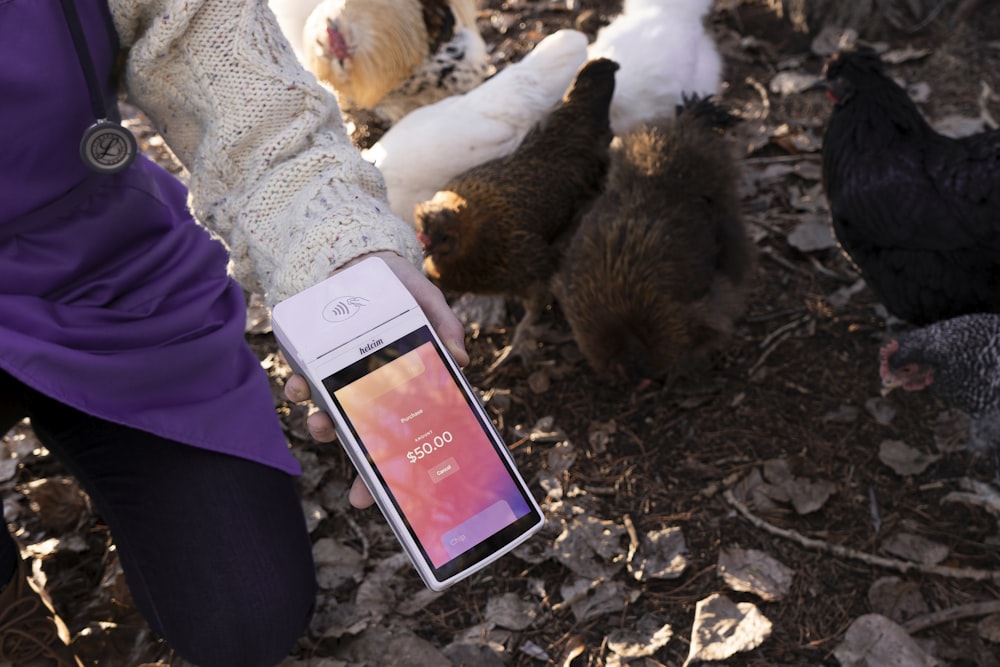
778 507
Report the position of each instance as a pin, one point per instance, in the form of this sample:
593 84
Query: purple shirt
112 299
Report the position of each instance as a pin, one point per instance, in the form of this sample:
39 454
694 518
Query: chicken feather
435 143
292 16
664 51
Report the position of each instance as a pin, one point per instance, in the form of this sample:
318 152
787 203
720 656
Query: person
122 317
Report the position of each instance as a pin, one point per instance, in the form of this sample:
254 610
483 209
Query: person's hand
431 301
441 317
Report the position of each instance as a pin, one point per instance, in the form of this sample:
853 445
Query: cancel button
446 468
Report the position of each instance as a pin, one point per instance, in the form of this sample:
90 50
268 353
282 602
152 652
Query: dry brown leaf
807 496
790 83
649 636
510 611
881 410
915 548
811 234
897 599
599 435
754 571
593 598
336 563
380 590
60 503
469 653
539 382
989 628
845 414
723 628
903 459
590 546
661 555
875 641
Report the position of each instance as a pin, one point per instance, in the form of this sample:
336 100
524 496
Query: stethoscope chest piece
107 147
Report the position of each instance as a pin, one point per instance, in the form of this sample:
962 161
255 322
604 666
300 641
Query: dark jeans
214 548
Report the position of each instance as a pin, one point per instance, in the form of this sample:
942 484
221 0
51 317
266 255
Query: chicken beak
425 243
889 387
818 84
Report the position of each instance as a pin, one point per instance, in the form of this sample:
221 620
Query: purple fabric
112 299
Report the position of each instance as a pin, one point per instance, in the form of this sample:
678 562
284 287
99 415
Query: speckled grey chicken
657 272
918 212
500 228
959 360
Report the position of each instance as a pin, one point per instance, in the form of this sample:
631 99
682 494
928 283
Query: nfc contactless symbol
107 147
343 308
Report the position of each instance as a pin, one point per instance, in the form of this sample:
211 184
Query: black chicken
959 360
916 211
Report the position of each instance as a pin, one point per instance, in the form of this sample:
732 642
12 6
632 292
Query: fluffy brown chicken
500 228
657 272
392 56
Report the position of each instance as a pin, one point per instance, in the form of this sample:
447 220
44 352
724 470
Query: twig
901 566
776 338
788 326
365 547
772 159
964 9
773 315
579 595
933 14
781 261
830 273
767 353
985 95
633 538
762 91
873 508
921 623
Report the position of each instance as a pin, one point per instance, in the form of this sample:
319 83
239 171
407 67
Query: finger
434 305
297 389
360 496
457 350
321 427
447 326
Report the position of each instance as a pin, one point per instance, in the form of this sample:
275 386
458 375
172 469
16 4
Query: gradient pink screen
452 488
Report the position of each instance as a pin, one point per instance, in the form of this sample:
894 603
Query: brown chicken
658 269
500 228
392 56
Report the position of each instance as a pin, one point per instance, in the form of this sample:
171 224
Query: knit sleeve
273 171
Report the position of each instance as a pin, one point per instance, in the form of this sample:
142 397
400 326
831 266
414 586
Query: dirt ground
797 389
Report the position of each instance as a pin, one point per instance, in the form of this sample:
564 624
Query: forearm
272 169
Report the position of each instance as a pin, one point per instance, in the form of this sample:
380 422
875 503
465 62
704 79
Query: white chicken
664 51
292 15
393 56
435 143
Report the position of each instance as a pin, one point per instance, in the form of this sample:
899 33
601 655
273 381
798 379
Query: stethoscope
106 147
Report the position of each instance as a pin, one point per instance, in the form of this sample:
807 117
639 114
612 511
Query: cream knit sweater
272 169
